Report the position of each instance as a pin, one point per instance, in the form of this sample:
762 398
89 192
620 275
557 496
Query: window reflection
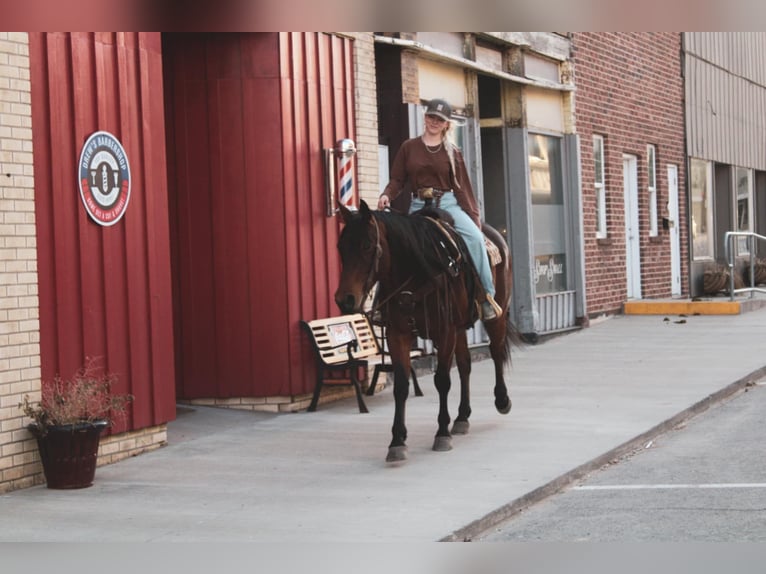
548 221
701 214
743 208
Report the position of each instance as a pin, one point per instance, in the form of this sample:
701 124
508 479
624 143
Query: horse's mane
414 243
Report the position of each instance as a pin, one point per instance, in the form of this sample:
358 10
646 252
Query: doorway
675 239
632 235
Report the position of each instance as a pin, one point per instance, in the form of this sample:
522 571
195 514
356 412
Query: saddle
454 253
452 250
447 253
439 215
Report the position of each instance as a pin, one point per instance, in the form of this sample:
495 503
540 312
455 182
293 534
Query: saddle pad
495 258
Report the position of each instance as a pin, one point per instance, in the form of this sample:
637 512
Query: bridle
374 267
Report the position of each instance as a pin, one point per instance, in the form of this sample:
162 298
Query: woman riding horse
435 169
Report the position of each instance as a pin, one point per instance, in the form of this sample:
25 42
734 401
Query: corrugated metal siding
224 148
104 291
741 53
317 110
556 311
253 248
726 97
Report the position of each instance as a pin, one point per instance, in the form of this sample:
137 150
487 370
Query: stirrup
490 310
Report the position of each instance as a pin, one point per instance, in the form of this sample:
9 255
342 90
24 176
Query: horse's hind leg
498 349
446 348
463 360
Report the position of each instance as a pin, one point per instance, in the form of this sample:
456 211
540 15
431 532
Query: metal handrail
729 252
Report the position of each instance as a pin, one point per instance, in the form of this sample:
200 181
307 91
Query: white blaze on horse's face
357 248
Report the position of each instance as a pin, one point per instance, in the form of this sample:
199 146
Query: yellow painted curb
681 307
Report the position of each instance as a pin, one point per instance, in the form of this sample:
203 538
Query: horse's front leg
446 350
463 360
399 348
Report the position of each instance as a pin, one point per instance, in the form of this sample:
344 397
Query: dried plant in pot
68 421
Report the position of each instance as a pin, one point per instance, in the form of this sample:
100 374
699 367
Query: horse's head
360 251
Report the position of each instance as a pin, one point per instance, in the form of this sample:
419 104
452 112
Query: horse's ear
364 210
345 212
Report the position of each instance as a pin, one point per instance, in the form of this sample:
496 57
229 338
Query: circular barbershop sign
104 178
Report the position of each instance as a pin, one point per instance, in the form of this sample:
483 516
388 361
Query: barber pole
344 151
346 175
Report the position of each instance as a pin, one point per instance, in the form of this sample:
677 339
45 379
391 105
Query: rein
376 260
374 271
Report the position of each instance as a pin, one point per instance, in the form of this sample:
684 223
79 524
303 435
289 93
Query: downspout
687 170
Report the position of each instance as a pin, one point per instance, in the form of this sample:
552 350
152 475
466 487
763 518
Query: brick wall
630 90
410 82
366 116
19 326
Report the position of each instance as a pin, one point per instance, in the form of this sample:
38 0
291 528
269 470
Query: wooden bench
383 363
348 343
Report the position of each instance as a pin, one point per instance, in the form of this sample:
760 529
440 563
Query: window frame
651 179
600 187
707 205
742 243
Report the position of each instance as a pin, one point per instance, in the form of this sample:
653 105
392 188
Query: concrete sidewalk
579 400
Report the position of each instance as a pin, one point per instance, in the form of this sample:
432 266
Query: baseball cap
441 108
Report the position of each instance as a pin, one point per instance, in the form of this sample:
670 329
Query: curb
480 526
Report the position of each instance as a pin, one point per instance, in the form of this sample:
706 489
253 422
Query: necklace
429 148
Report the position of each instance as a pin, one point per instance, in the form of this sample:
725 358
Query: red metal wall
317 110
253 251
104 291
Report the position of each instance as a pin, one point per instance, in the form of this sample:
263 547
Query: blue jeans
472 235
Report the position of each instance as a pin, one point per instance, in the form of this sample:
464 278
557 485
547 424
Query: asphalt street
703 481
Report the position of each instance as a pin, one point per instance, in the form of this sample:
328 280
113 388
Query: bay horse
423 292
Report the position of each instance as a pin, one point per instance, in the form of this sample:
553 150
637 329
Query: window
548 219
457 134
702 213
744 211
651 169
600 188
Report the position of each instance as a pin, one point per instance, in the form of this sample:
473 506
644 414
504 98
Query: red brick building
628 108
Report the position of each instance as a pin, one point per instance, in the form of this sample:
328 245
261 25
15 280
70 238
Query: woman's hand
383 202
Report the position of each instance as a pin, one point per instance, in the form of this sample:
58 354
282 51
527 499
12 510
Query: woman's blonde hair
450 148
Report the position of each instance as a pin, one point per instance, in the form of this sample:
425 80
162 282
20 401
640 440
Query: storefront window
743 208
457 133
548 221
702 214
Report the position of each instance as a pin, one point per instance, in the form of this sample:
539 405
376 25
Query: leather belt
431 193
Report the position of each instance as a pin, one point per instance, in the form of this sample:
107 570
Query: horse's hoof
442 443
504 410
396 454
460 427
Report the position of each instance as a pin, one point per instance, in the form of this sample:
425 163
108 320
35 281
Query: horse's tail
512 338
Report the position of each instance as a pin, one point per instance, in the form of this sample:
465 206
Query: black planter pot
68 453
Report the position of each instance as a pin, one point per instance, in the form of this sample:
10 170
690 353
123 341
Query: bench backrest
331 337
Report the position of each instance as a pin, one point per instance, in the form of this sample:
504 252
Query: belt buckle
426 193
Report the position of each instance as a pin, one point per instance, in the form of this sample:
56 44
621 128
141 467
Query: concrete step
696 306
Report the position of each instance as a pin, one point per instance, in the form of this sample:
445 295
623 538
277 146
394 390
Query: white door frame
675 237
632 233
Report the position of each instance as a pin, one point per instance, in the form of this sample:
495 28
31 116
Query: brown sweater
417 166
